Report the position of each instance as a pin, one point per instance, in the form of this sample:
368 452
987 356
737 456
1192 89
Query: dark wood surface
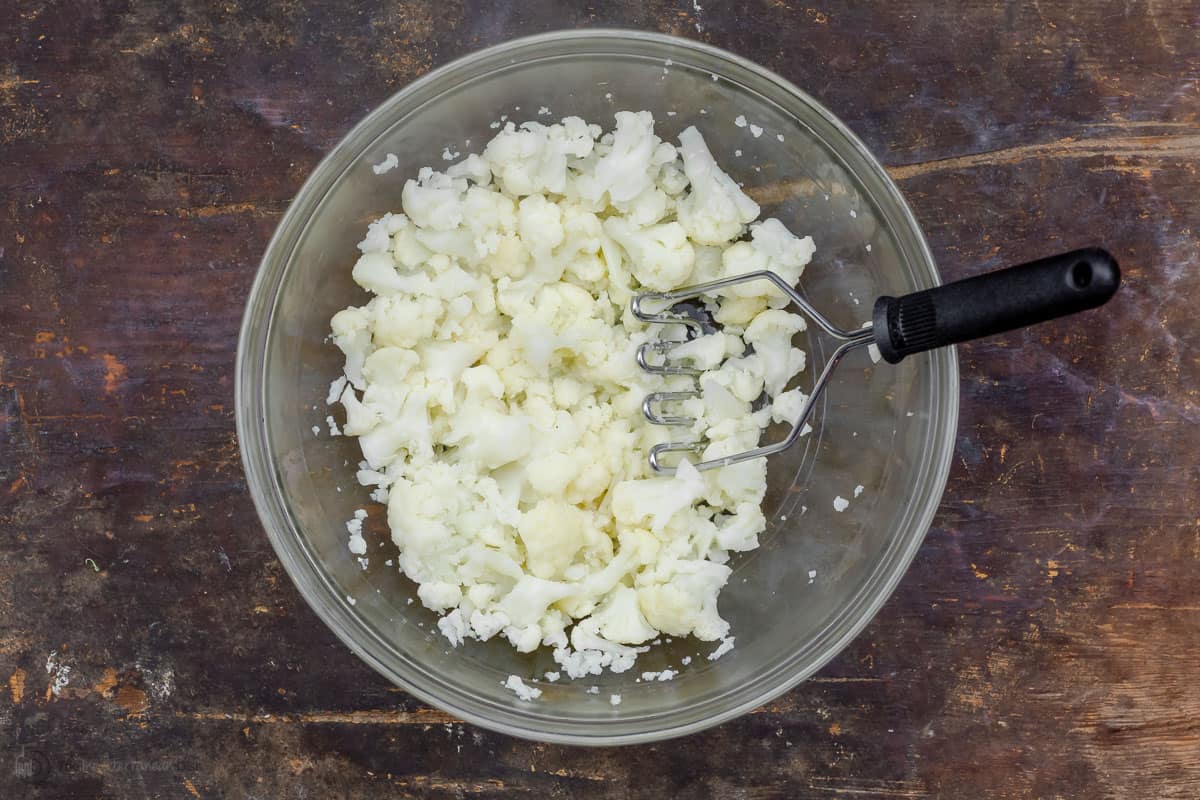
1044 643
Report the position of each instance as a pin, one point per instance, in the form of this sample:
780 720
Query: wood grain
1043 643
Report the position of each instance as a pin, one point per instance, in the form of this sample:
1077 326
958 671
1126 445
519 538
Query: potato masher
986 304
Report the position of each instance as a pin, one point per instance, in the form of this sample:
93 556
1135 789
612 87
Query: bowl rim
267 495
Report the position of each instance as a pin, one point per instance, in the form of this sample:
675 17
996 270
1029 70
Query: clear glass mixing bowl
818 577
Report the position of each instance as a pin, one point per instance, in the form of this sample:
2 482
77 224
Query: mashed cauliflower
492 385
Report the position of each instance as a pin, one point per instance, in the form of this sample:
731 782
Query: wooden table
1044 642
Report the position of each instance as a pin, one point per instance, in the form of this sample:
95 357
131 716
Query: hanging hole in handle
1081 275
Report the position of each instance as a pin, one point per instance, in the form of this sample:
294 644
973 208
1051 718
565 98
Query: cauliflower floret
405 432
534 158
628 168
379 232
529 599
731 485
772 247
552 533
359 418
708 351
786 253
740 531
472 167
404 321
439 595
741 376
656 500
661 256
408 250
716 210
771 335
376 272
786 407
539 223
683 601
490 438
619 618
434 200
352 334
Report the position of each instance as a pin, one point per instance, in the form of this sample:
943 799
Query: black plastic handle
998 301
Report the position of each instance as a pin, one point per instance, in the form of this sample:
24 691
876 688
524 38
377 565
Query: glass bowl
819 576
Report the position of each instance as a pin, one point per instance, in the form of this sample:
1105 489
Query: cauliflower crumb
357 544
756 131
552 676
389 163
520 689
812 575
740 121
725 646
840 503
858 490
614 699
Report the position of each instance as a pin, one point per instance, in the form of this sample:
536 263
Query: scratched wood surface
1044 642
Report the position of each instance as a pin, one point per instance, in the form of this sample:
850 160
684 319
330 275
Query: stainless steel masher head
994 302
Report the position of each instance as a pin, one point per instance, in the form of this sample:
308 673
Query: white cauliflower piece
706 351
352 335
683 601
786 253
716 210
552 532
619 618
534 158
653 501
472 167
771 335
628 167
661 257
786 407
539 223
376 272
529 599
740 531
434 200
439 595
